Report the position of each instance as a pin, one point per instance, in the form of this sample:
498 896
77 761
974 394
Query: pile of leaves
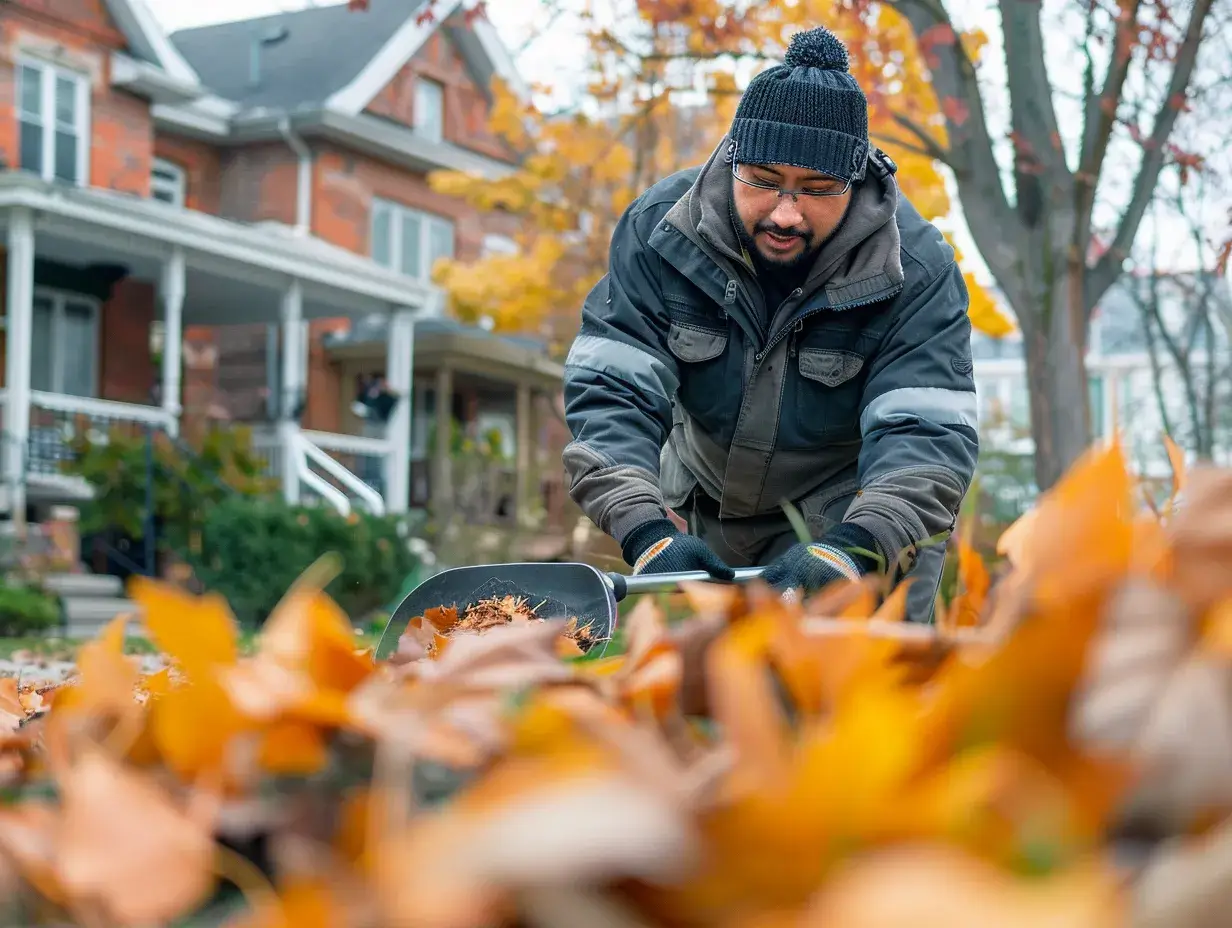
1057 751
426 635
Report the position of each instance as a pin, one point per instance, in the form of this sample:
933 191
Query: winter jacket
682 381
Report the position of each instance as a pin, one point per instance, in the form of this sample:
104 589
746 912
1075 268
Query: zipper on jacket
799 324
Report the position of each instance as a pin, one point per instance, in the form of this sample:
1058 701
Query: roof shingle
325 48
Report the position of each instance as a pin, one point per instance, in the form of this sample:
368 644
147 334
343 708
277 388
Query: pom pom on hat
817 48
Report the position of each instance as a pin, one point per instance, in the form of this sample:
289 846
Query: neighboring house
239 190
1123 383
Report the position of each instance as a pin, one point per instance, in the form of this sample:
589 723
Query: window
429 111
167 182
64 346
407 240
53 118
1095 395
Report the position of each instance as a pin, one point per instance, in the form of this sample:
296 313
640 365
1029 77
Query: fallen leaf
124 844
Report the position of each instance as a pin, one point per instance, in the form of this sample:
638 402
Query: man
779 326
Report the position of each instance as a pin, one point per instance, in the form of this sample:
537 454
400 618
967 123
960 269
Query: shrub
188 482
26 610
252 550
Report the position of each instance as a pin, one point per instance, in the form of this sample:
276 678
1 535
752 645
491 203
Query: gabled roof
328 55
325 49
146 40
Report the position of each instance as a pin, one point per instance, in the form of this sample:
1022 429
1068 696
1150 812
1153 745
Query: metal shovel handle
625 585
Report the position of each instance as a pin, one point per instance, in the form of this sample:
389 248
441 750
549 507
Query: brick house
195 222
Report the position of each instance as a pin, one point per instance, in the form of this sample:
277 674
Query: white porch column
399 371
292 386
172 291
522 426
20 322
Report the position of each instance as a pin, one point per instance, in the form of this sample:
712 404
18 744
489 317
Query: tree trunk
1057 381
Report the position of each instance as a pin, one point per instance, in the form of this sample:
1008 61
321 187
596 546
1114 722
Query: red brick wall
202 165
80 35
258 183
465 105
127 372
346 184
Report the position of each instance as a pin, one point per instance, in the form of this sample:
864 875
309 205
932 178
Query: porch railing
338 470
58 420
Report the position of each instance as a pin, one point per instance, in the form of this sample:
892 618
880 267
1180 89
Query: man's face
787 230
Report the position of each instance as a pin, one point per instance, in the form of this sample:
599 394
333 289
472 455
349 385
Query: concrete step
93 612
85 584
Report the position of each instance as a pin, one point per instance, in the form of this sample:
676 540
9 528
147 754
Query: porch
99 288
498 465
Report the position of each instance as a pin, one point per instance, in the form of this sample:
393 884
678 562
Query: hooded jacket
682 380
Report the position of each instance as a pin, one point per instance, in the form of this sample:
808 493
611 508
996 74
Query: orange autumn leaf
199 632
968 606
125 845
293 748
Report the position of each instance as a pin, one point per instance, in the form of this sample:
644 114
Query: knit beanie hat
808 112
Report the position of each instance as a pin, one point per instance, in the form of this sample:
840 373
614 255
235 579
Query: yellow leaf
199 632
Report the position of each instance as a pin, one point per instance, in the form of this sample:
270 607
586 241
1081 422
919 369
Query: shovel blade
560 591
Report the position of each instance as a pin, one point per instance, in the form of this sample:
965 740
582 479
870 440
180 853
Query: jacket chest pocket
706 387
829 382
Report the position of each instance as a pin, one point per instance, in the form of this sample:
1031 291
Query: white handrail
347 444
324 488
106 409
370 497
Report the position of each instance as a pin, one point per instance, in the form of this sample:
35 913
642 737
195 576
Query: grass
49 648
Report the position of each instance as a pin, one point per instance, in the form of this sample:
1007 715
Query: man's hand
659 547
809 566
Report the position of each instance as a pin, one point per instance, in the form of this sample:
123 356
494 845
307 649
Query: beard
792 267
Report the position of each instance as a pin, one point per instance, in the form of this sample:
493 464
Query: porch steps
90 601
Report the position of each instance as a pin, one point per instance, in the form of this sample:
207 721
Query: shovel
576 589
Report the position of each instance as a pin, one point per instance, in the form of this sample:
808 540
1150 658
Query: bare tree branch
1100 115
1038 150
1154 152
927 144
985 206
901 143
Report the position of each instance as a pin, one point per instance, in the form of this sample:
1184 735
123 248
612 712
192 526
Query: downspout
303 183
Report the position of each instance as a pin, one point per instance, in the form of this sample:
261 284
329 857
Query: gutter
303 181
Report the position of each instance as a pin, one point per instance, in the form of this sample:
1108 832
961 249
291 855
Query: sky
550 53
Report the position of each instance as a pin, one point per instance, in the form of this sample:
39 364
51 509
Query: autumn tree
662 91
1056 212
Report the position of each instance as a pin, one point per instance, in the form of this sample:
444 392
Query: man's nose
787 213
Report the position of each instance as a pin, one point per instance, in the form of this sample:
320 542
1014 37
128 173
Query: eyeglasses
739 170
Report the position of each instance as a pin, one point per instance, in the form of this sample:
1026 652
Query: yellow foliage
579 172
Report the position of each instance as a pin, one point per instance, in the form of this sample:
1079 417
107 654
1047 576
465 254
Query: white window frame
175 185
58 361
433 133
397 213
48 106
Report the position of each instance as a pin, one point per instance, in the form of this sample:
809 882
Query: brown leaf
1145 637
123 843
524 828
1187 883
1201 532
